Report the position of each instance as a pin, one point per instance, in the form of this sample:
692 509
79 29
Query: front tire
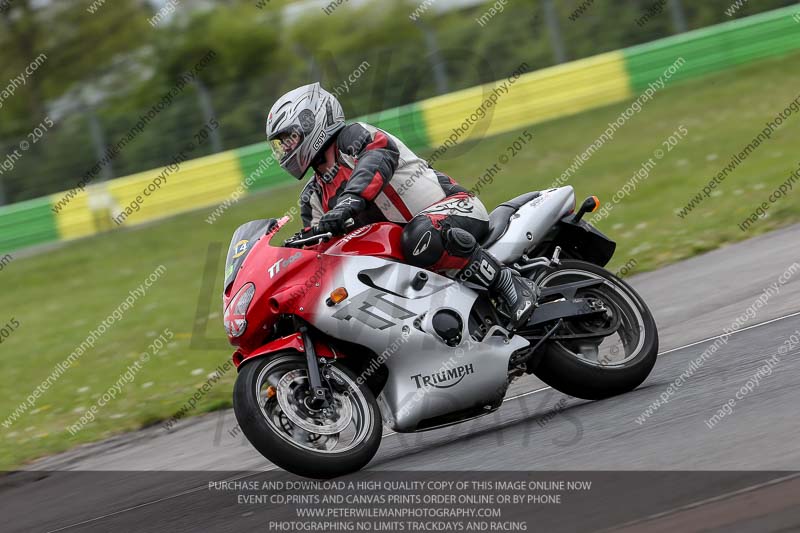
583 370
306 442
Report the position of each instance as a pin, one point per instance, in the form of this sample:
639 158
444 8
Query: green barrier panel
26 223
406 123
715 48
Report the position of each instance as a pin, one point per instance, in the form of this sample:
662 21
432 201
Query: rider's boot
516 294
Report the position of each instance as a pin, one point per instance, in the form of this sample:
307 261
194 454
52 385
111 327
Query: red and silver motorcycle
336 336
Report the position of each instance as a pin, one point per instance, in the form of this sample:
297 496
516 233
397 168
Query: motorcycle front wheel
593 368
271 399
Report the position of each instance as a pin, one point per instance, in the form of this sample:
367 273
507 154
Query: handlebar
315 237
319 237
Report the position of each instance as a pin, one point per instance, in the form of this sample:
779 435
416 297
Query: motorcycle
336 336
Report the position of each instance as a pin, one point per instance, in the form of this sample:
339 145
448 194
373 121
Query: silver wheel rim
610 352
347 423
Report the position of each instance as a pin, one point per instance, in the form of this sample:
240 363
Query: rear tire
560 368
297 457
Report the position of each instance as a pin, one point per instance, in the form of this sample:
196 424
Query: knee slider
459 242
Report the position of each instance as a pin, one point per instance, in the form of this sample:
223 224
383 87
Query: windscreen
244 238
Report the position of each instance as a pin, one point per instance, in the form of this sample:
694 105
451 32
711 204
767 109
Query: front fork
320 395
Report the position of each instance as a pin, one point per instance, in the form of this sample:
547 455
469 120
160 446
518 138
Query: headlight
235 322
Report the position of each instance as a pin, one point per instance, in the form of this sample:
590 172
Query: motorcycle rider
368 175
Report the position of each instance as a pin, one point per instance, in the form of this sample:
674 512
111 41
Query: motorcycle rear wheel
590 370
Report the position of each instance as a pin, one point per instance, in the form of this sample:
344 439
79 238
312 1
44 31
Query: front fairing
292 281
271 269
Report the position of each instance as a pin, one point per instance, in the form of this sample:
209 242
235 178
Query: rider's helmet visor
284 143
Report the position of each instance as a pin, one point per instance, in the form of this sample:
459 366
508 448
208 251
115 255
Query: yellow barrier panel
147 195
169 190
74 219
534 97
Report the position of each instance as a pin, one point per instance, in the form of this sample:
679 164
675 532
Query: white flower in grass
83 389
147 385
712 157
197 371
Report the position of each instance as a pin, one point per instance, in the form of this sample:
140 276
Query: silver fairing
427 378
532 222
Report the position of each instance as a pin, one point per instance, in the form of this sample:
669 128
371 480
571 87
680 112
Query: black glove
334 220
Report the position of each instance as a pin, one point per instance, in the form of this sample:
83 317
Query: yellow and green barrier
532 98
608 78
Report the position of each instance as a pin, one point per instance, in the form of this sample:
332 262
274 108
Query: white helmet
301 125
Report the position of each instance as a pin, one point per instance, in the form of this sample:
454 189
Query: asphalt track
668 472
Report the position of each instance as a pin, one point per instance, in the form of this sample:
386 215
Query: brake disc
329 421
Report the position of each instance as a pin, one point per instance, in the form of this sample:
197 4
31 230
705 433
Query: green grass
59 296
